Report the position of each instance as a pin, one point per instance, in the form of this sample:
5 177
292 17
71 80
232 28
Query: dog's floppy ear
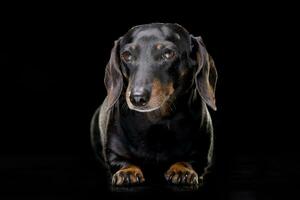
113 78
206 73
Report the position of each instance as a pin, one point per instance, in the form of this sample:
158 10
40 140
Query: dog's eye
126 56
168 54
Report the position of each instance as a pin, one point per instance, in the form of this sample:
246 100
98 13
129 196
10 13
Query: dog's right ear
113 78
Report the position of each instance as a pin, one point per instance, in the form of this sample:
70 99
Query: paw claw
127 179
185 176
169 176
113 181
195 180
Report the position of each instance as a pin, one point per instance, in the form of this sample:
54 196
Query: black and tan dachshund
159 81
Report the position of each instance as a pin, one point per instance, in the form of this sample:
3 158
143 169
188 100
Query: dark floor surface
70 176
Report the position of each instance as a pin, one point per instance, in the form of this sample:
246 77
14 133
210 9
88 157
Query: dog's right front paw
129 175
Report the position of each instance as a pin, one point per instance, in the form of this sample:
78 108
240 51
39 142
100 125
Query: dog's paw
182 173
129 175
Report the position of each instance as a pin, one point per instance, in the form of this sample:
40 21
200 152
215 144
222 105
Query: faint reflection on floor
152 188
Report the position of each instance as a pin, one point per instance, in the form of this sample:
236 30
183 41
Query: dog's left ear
206 73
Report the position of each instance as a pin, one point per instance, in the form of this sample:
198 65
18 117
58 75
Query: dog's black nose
139 97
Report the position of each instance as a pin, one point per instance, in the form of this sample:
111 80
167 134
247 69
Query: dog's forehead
151 33
147 33
155 31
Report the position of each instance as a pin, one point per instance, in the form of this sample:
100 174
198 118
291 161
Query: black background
56 56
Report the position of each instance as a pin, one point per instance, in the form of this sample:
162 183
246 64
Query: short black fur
180 130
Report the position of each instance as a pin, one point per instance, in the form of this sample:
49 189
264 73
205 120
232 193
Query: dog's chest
163 140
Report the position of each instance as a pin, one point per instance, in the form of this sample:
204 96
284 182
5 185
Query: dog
159 81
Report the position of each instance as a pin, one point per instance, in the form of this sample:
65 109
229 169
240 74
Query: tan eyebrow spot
158 46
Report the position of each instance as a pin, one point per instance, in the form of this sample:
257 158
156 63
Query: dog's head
154 63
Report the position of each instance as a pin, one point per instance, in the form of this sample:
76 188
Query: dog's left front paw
182 173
